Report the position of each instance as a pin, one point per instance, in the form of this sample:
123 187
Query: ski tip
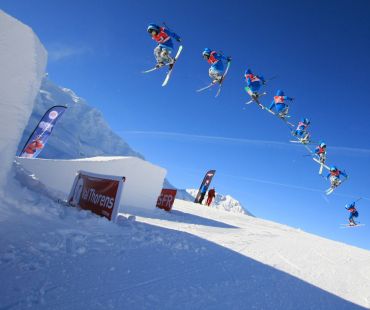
165 82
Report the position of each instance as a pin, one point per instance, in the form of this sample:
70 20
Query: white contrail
236 140
291 186
205 138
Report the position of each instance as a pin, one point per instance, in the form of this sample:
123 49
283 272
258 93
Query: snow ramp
143 184
22 63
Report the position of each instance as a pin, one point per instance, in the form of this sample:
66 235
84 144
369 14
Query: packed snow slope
195 257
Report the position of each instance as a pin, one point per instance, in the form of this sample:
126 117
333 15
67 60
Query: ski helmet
248 71
333 168
306 121
322 144
279 93
206 53
153 28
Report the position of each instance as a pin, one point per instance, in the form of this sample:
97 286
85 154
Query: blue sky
318 50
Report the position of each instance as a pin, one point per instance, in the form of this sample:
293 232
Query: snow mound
220 202
142 187
22 64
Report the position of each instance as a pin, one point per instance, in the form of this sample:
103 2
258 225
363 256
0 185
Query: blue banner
42 132
204 186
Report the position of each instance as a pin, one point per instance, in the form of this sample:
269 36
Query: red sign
166 199
98 193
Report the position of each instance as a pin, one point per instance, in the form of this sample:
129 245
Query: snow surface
142 187
194 257
22 64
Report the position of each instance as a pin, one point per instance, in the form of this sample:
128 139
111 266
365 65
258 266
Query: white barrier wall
22 65
143 184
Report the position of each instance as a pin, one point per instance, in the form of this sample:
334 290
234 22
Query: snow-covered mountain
82 132
221 202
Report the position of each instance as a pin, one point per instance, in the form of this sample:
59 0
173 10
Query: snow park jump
151 245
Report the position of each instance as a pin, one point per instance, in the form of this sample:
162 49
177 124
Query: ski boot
322 159
284 114
171 62
306 139
159 64
255 95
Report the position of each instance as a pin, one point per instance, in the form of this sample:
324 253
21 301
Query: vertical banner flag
204 186
166 199
98 193
40 135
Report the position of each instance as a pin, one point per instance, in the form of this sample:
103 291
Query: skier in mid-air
281 108
163 36
353 213
320 151
216 60
334 177
301 132
254 83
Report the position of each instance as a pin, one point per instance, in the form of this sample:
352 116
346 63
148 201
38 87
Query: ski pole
164 24
271 78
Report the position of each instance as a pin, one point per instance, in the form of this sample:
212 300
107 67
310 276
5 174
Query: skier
163 37
254 83
320 151
211 195
353 213
215 59
279 104
301 132
334 177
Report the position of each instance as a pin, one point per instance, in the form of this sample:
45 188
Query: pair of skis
349 226
170 67
321 163
217 82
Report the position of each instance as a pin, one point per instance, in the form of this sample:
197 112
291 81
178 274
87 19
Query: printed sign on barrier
96 192
166 199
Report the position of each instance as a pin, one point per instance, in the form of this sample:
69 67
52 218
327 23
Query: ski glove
228 58
178 40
